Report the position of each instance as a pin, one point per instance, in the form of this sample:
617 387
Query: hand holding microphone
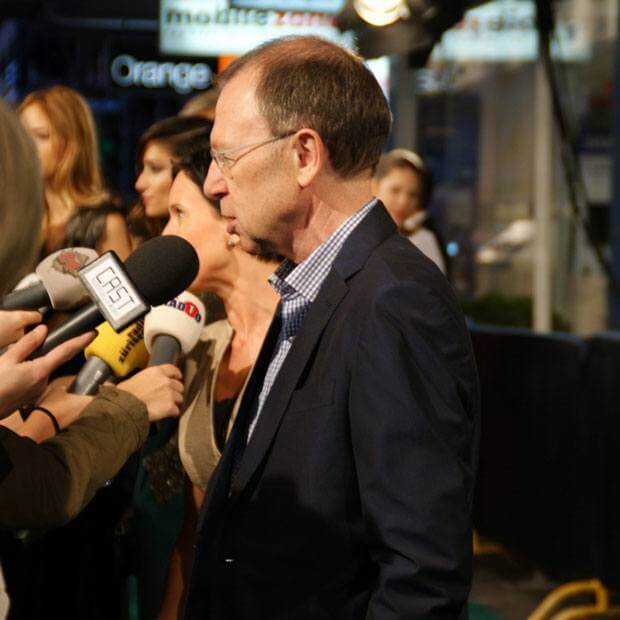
111 355
14 322
160 388
22 381
157 271
153 274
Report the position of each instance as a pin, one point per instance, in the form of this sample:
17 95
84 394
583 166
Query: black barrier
549 478
530 390
596 523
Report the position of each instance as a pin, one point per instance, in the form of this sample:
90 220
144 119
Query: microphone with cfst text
58 286
111 355
154 273
173 328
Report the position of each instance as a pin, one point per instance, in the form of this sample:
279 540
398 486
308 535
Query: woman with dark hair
161 146
216 372
404 184
157 500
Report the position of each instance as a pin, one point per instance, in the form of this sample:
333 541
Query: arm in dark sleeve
49 483
414 425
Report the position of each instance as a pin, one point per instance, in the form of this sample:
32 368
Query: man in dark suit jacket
345 489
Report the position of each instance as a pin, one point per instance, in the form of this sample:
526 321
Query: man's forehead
236 112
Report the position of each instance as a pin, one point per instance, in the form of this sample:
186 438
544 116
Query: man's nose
214 187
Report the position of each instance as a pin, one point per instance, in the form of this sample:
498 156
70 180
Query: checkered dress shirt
298 286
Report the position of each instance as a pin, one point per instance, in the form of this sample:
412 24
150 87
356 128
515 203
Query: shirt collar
305 280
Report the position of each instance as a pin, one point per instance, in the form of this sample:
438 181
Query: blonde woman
78 210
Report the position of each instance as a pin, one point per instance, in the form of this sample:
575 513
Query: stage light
381 12
411 27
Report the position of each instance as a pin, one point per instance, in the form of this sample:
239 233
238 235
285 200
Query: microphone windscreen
161 267
59 274
122 352
182 317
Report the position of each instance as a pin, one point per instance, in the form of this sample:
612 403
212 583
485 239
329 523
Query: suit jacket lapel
319 313
374 229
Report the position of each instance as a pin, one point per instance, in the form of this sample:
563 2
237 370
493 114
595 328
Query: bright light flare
381 12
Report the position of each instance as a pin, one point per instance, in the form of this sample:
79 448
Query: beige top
197 444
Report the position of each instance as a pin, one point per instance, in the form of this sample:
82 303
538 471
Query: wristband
48 413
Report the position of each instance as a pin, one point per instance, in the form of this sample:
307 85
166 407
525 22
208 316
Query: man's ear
310 155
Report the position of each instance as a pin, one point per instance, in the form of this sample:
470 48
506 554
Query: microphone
59 284
111 355
173 328
155 272
27 281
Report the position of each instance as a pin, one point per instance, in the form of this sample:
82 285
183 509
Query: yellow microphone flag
124 352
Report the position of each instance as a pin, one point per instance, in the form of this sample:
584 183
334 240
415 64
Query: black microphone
155 272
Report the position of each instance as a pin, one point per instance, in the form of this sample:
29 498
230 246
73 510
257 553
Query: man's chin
260 248
250 246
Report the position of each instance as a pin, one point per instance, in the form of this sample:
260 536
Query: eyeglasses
224 160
